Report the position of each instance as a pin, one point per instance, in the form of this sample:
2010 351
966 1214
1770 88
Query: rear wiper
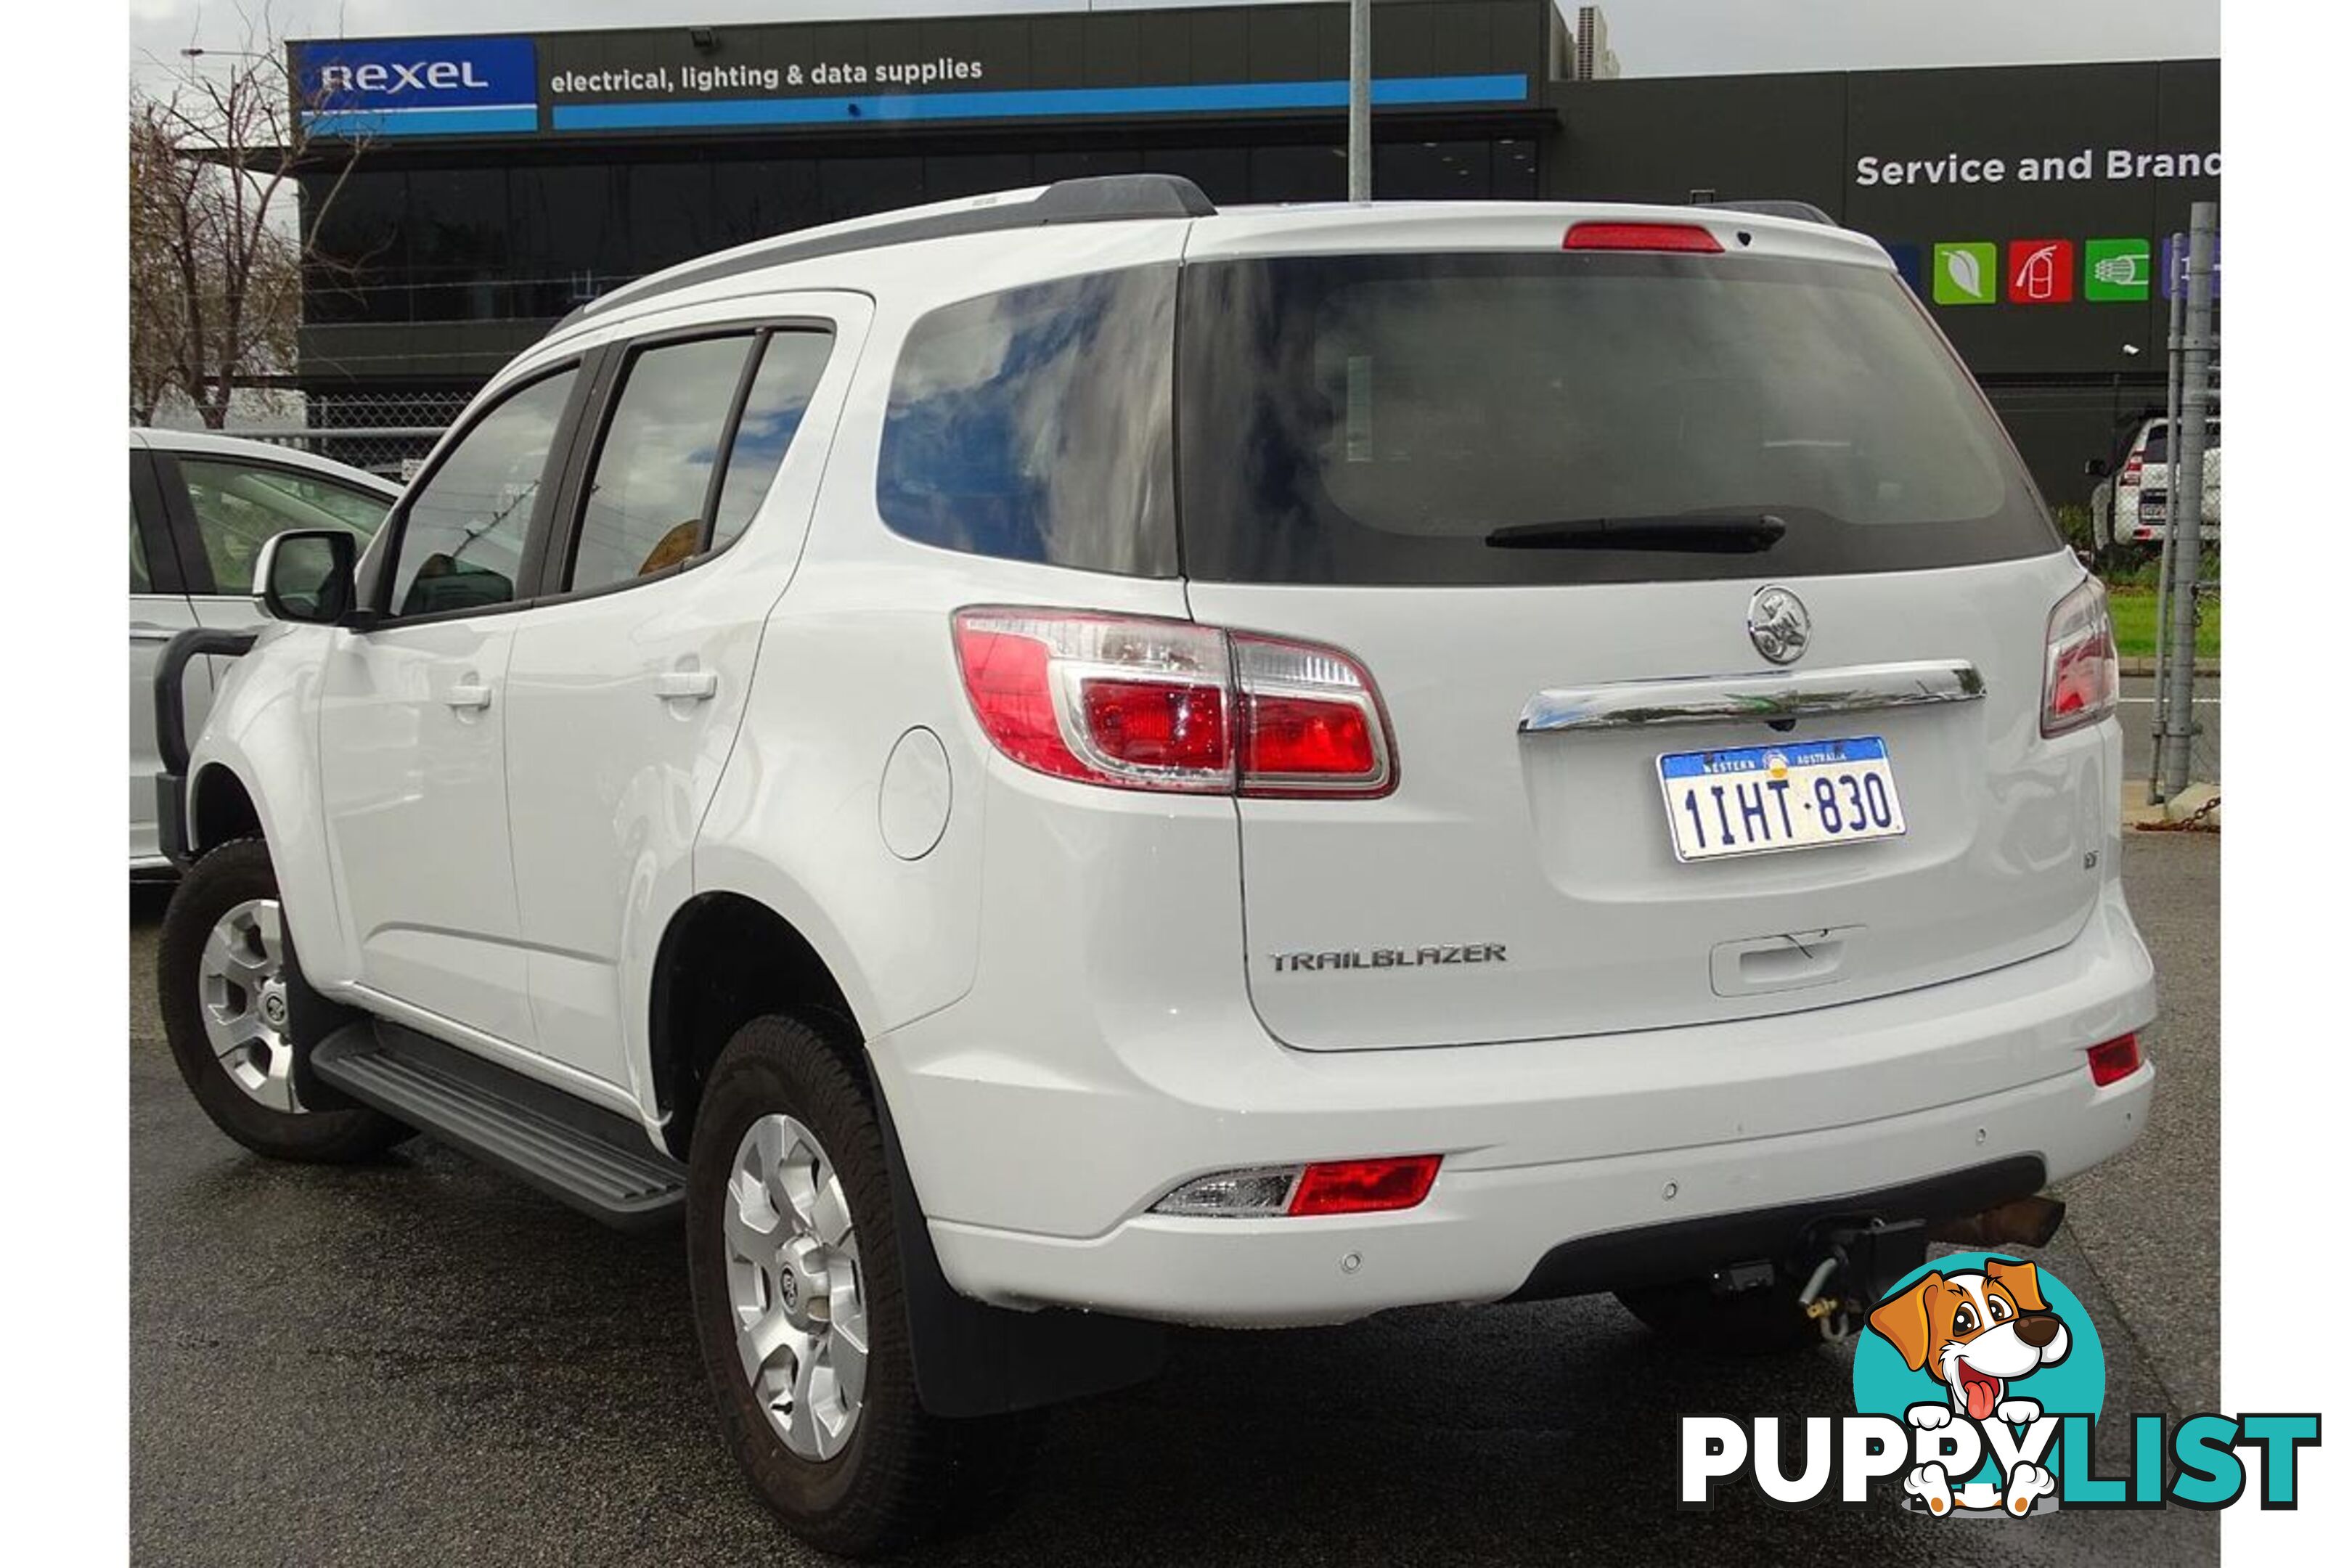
1673 530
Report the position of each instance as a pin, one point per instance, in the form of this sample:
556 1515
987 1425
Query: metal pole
1360 101
2171 497
2188 514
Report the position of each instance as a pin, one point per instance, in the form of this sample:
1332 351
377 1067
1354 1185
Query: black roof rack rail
1097 198
1770 206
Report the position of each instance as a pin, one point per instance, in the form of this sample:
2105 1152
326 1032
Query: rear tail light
1331 1186
1687 236
1138 703
2079 681
2112 1061
2131 470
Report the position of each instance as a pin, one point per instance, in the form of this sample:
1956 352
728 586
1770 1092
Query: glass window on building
571 239
756 198
673 215
1432 171
459 231
1298 174
359 229
976 173
856 187
1222 172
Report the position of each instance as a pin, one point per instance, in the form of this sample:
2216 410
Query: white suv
1058 764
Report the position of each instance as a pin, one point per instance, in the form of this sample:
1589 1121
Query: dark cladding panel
1404 38
1461 43
1220 45
1114 49
1163 46
1057 51
1282 44
1659 139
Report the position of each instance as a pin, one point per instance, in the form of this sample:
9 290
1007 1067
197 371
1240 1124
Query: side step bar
595 1160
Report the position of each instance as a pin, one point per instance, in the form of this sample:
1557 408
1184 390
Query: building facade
494 183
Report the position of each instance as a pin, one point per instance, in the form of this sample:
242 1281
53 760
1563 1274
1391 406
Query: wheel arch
725 958
220 808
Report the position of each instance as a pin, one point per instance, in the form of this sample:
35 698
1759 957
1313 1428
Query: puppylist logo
1979 1382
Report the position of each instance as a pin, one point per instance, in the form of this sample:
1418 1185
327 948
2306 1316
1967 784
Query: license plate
1756 799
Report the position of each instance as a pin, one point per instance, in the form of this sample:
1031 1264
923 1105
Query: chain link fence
384 433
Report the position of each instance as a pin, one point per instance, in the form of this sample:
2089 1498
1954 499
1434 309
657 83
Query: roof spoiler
1768 206
1097 198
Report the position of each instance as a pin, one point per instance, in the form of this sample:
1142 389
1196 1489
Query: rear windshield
2159 449
1374 418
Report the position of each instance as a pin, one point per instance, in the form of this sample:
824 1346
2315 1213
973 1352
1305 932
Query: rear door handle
687 685
467 697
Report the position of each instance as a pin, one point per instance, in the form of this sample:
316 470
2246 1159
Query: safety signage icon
2041 271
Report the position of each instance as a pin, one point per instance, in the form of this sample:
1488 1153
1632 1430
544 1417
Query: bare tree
219 236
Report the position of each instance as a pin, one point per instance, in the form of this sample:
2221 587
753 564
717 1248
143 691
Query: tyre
791 1249
1691 1314
241 1019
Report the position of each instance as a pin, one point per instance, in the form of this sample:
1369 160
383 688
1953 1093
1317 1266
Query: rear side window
676 448
1035 425
1377 420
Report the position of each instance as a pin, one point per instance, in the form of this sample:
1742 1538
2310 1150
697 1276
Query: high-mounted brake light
2080 679
1327 1187
2112 1061
1148 704
1687 236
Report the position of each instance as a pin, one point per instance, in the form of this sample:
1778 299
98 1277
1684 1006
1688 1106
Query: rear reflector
2115 1060
1364 1186
1641 236
1331 1186
1143 703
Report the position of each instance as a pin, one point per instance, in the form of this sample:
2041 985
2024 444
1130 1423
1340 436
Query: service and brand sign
1224 61
399 87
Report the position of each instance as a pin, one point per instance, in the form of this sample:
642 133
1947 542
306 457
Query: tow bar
1859 1262
1857 1259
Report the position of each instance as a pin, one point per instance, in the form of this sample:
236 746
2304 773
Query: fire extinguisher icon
2038 279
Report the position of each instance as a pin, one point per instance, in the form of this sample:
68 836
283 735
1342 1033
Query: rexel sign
395 87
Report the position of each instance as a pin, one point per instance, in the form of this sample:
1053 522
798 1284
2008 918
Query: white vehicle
1071 761
201 506
2143 483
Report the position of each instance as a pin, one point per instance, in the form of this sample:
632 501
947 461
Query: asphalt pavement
422 1362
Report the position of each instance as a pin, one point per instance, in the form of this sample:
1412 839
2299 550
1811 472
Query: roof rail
1098 198
1768 206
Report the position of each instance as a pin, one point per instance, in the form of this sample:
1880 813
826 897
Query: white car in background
201 506
2140 486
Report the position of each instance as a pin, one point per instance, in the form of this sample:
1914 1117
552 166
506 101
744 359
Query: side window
239 506
461 544
141 582
789 366
650 502
652 478
1035 425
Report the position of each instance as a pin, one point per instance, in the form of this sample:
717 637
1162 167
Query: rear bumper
1543 1230
1037 1138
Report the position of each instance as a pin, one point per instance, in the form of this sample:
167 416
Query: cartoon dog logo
1978 1334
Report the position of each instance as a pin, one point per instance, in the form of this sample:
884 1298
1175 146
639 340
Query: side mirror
2095 468
305 575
